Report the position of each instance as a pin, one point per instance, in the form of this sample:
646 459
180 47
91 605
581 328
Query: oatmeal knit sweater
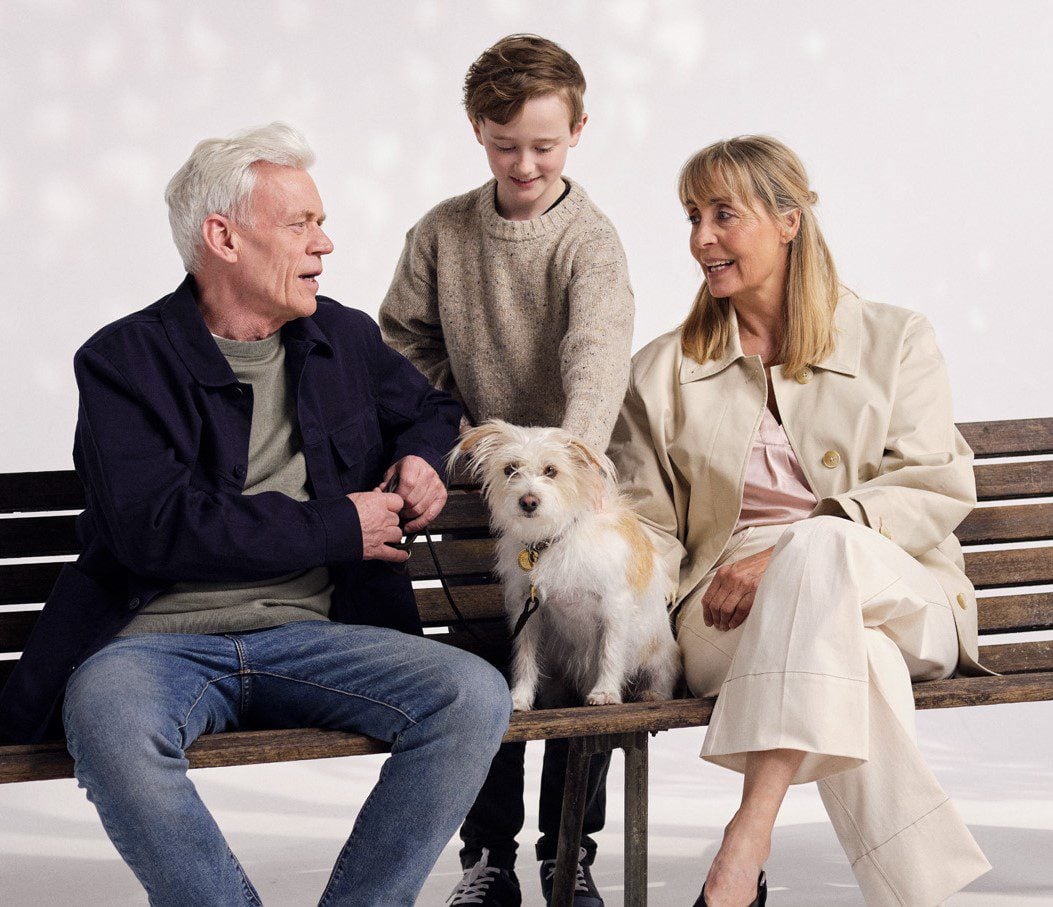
526 321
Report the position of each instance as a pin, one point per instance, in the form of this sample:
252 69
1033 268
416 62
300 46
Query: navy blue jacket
162 447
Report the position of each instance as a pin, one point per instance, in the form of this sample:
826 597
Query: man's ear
475 129
217 232
791 223
575 132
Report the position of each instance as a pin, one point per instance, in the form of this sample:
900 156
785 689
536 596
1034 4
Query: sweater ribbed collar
516 230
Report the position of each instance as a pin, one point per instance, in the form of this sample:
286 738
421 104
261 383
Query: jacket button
133 604
237 391
963 602
831 459
239 471
804 375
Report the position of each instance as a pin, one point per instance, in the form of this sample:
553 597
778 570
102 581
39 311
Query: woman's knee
706 658
819 530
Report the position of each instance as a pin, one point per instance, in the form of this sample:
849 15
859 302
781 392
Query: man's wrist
343 529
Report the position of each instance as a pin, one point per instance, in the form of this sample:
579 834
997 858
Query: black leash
528 557
393 484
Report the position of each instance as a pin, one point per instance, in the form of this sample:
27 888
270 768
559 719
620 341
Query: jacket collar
845 358
192 340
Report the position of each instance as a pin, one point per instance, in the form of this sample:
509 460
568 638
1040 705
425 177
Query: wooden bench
41 526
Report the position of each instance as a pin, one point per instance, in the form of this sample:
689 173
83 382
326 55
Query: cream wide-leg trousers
842 621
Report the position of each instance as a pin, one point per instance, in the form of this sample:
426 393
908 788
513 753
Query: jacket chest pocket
357 449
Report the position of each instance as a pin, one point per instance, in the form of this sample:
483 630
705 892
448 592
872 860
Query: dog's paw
602 697
522 702
651 696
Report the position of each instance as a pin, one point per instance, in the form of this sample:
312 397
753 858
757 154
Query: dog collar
530 555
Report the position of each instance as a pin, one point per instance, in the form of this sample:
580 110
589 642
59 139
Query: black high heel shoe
759 901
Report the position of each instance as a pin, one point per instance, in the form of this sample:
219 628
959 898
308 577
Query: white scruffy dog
601 622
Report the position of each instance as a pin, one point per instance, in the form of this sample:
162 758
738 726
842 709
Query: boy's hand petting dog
378 514
729 598
422 490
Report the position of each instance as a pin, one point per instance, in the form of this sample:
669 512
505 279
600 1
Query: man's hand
378 514
421 489
729 598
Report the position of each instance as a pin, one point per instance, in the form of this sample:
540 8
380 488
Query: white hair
218 178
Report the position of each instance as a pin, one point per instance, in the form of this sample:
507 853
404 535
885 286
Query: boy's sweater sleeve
409 315
595 352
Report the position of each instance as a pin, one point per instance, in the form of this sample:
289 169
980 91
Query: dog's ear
599 462
472 447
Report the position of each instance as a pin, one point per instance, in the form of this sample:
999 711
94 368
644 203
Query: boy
515 299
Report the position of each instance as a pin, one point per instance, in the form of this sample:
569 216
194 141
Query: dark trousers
497 815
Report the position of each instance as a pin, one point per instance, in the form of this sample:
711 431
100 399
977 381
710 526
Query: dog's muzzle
528 504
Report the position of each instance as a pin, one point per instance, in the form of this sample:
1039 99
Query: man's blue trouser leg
133 708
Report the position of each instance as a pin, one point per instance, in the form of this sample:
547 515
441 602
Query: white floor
287 823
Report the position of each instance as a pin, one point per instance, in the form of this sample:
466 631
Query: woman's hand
729 598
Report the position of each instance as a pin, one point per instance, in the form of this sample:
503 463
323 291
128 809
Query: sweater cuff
343 529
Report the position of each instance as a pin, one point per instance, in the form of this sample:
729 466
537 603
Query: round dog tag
527 559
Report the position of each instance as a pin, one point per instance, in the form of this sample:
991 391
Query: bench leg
636 821
578 754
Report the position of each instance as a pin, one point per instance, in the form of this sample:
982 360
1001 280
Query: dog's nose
528 503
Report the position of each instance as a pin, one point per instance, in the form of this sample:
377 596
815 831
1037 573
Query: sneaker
487 885
585 893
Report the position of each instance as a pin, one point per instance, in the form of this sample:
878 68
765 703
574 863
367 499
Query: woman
792 450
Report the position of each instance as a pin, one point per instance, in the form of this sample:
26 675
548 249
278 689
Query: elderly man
238 566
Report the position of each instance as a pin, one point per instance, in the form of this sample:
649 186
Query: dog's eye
509 469
551 472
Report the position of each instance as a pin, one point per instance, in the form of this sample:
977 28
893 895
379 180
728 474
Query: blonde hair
758 168
515 70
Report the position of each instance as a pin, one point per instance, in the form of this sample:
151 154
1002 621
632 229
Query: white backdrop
926 128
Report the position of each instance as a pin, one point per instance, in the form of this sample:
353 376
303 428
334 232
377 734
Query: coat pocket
357 449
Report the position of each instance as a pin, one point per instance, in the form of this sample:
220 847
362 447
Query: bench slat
1019 657
1017 567
461 560
32 491
61 490
1002 481
998 614
474 602
44 761
473 559
27 584
1014 523
1016 613
1009 438
38 536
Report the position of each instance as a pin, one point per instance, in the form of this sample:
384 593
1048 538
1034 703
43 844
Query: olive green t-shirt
276 463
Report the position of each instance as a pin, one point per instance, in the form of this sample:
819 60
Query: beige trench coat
871 425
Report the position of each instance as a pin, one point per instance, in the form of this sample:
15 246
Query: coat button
831 459
239 471
804 375
133 604
237 391
963 602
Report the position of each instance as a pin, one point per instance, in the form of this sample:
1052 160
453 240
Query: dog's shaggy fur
602 626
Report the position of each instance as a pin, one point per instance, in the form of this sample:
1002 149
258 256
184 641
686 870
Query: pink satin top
776 490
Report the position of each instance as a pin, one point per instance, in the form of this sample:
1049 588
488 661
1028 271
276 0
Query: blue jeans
134 707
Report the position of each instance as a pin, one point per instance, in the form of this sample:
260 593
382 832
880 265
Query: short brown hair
516 69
